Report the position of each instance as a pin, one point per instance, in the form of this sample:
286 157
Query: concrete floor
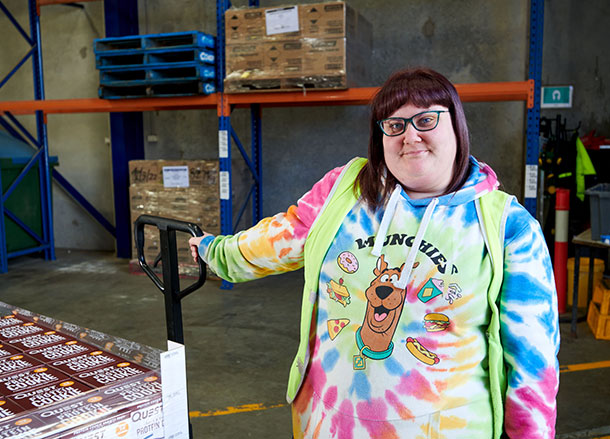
240 342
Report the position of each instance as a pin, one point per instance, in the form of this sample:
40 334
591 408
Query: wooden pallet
298 83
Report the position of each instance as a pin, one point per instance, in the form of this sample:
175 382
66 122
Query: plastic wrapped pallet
186 190
318 45
59 380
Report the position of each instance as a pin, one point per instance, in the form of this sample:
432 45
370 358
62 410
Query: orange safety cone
560 266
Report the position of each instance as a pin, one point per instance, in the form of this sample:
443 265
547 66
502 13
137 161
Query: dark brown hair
423 88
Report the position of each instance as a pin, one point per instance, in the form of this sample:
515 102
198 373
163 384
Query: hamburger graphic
436 322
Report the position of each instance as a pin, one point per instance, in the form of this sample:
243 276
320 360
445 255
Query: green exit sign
557 96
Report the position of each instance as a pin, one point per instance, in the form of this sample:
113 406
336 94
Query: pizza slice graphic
335 326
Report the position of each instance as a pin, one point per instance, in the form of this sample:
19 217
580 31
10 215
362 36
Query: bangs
421 92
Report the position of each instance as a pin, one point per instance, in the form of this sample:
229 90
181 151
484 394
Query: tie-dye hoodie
390 362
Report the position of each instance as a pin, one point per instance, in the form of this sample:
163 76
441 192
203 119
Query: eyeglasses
424 121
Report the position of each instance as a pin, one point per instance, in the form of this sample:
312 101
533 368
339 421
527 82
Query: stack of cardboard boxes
319 45
598 316
185 190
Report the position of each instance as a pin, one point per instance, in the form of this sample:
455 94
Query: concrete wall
469 41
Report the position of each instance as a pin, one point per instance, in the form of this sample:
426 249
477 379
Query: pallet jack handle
170 285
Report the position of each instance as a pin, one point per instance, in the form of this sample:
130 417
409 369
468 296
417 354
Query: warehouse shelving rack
116 18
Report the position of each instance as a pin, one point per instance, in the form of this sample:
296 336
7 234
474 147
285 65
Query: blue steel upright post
224 130
533 114
41 130
126 129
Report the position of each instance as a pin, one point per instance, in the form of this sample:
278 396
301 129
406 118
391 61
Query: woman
429 307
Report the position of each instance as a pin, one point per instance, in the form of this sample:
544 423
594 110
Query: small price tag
282 20
531 181
175 176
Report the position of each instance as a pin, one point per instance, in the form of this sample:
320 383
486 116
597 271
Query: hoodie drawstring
385 221
405 274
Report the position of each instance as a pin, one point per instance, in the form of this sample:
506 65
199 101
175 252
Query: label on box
7 350
9 408
134 390
175 176
61 350
29 378
111 374
50 394
37 340
113 427
10 320
18 362
75 412
282 20
147 420
83 362
21 330
22 427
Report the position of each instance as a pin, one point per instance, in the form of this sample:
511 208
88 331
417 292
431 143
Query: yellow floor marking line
233 410
584 366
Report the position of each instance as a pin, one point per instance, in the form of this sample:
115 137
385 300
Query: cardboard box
601 296
191 195
599 323
329 49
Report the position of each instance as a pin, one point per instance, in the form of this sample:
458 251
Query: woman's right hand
194 244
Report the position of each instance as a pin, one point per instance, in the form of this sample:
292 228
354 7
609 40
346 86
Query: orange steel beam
480 92
93 105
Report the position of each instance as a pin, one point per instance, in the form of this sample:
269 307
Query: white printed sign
175 176
223 144
282 20
175 405
224 185
531 181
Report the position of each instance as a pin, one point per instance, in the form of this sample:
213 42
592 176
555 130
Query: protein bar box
59 380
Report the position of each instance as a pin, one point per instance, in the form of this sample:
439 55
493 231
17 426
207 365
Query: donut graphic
348 262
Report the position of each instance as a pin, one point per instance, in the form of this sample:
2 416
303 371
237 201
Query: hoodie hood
481 180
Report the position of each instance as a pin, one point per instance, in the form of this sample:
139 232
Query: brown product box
21 330
77 411
111 374
315 20
11 319
21 426
7 350
50 394
10 365
329 51
39 339
9 408
61 350
29 379
134 390
198 203
83 362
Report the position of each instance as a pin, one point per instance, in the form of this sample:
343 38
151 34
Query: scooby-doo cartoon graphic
384 306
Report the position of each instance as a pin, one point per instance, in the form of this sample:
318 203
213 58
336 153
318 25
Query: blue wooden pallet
175 72
157 88
132 58
155 42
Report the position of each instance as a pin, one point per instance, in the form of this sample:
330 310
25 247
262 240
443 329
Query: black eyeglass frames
424 121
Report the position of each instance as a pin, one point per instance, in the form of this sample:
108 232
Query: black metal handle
170 285
167 225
